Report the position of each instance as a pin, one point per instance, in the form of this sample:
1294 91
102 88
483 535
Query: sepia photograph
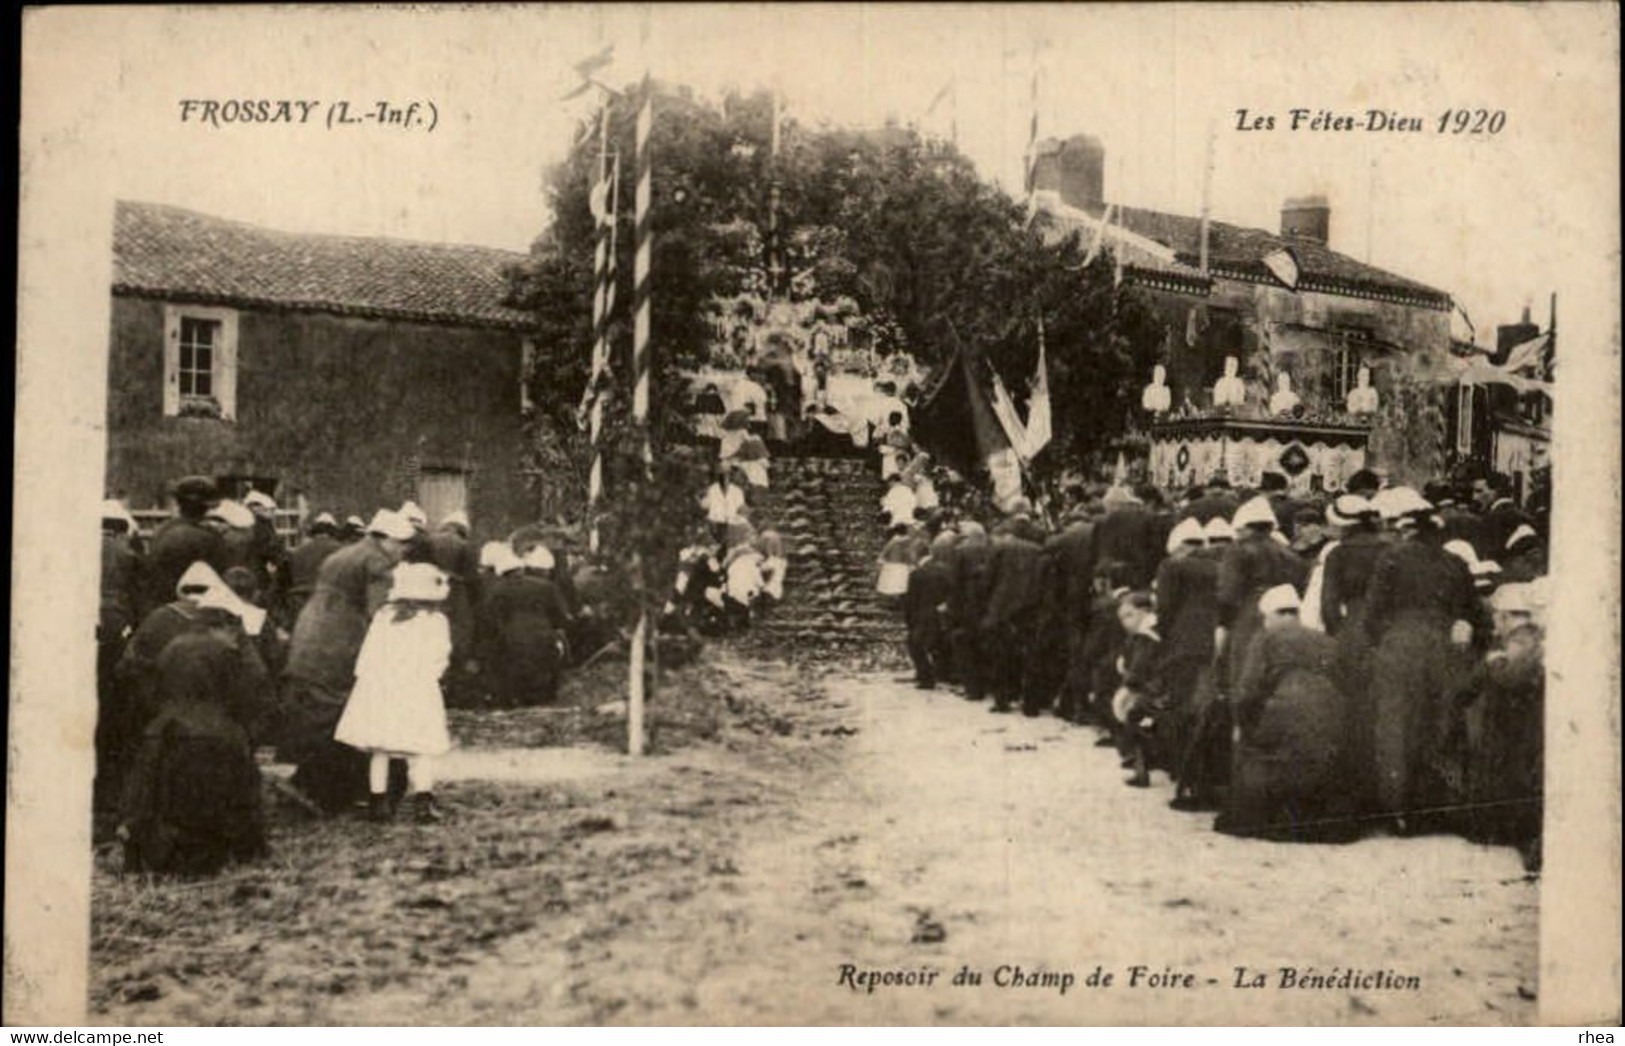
816 515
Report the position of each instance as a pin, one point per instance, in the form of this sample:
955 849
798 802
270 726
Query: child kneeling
1141 700
396 710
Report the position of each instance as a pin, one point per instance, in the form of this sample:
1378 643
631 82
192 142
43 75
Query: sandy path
942 836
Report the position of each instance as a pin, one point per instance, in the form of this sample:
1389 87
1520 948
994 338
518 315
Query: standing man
1010 622
321 541
350 587
183 540
268 556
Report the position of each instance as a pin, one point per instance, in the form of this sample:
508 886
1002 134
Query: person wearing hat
1286 780
451 551
1140 700
116 618
321 541
191 801
1129 534
1363 483
1501 516
417 546
267 552
1187 613
198 588
1188 602
1524 557
351 585
925 608
1504 714
1012 622
1460 522
1070 553
395 710
525 619
183 540
1421 613
973 581
353 530
1249 568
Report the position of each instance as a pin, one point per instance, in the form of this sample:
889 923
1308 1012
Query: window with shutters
200 362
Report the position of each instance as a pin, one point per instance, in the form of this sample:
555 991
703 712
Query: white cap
326 517
1348 509
201 575
260 499
1258 510
1463 551
414 515
539 558
1398 502
113 509
491 550
1186 531
1524 530
1219 529
355 521
387 523
456 519
1485 567
423 581
1281 597
232 514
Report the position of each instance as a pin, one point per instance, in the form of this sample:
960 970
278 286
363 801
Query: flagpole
642 265
1207 196
600 322
953 111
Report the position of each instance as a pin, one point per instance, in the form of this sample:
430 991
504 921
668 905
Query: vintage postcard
864 514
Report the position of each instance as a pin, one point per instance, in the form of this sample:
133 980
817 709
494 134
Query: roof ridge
267 230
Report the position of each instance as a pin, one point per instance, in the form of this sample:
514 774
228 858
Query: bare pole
1207 197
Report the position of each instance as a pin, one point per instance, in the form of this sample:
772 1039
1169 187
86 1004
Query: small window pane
201 384
204 358
186 355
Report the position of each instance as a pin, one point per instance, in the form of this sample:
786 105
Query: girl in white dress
396 710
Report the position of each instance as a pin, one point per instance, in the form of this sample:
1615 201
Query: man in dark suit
183 540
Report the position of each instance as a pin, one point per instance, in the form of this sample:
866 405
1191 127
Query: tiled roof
1237 252
160 250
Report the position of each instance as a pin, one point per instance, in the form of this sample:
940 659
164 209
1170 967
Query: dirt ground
791 825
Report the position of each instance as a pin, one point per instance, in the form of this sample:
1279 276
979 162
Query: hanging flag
1283 264
1100 234
1039 423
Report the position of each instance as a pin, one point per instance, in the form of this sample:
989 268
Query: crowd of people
214 638
1309 668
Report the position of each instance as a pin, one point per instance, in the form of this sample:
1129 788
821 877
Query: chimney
1510 335
1307 218
1074 169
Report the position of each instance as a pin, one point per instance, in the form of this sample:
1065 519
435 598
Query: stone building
335 373
1281 302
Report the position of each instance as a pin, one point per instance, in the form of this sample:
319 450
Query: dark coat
1464 525
1496 527
121 588
1188 606
1128 535
176 545
1346 578
1417 590
350 587
303 565
973 584
930 589
1014 594
1252 565
192 800
1209 507
1285 779
522 623
456 555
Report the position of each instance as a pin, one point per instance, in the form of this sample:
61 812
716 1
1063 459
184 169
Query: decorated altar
1313 455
